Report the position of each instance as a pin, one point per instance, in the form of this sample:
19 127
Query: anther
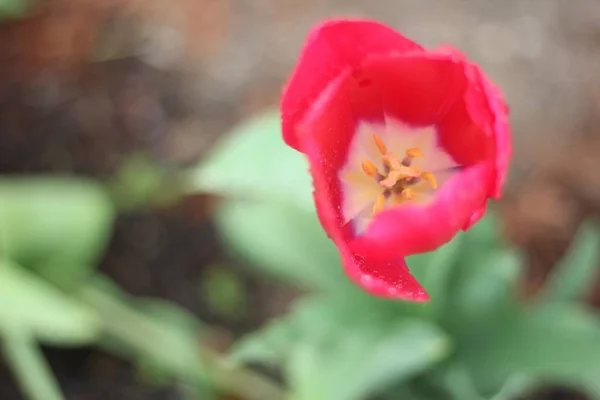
380 145
414 153
429 177
369 168
407 194
379 204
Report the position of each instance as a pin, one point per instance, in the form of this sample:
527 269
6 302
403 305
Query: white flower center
389 165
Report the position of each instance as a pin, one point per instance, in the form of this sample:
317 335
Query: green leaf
32 307
180 332
340 348
485 234
453 381
253 162
268 346
458 383
364 359
576 274
434 270
284 241
553 342
31 370
315 316
489 287
513 387
404 392
58 227
481 287
14 8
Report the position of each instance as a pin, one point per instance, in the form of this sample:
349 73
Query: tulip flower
405 145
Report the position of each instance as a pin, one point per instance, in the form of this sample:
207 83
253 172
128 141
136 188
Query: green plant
53 232
474 340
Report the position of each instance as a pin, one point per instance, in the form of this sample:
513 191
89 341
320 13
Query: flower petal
477 128
331 48
417 88
387 278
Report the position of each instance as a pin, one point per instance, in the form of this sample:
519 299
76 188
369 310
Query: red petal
330 125
417 88
390 279
413 229
501 130
328 129
476 128
332 47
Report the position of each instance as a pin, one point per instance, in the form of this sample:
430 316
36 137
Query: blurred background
139 263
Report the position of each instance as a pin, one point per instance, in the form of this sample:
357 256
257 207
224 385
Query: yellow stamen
414 153
429 177
369 168
379 204
408 194
380 145
398 199
397 177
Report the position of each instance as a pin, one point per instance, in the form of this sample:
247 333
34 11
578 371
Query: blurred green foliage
253 163
53 232
474 340
224 292
299 249
14 8
57 227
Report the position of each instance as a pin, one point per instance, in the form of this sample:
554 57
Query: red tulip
405 145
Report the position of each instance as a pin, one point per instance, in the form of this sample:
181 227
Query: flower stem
30 368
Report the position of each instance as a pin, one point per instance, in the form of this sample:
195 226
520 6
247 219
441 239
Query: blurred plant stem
187 359
240 381
30 368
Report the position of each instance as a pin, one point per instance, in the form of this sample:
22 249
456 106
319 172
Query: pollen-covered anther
429 177
369 168
379 204
414 153
380 145
407 194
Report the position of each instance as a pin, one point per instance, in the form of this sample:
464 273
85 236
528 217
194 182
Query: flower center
398 178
